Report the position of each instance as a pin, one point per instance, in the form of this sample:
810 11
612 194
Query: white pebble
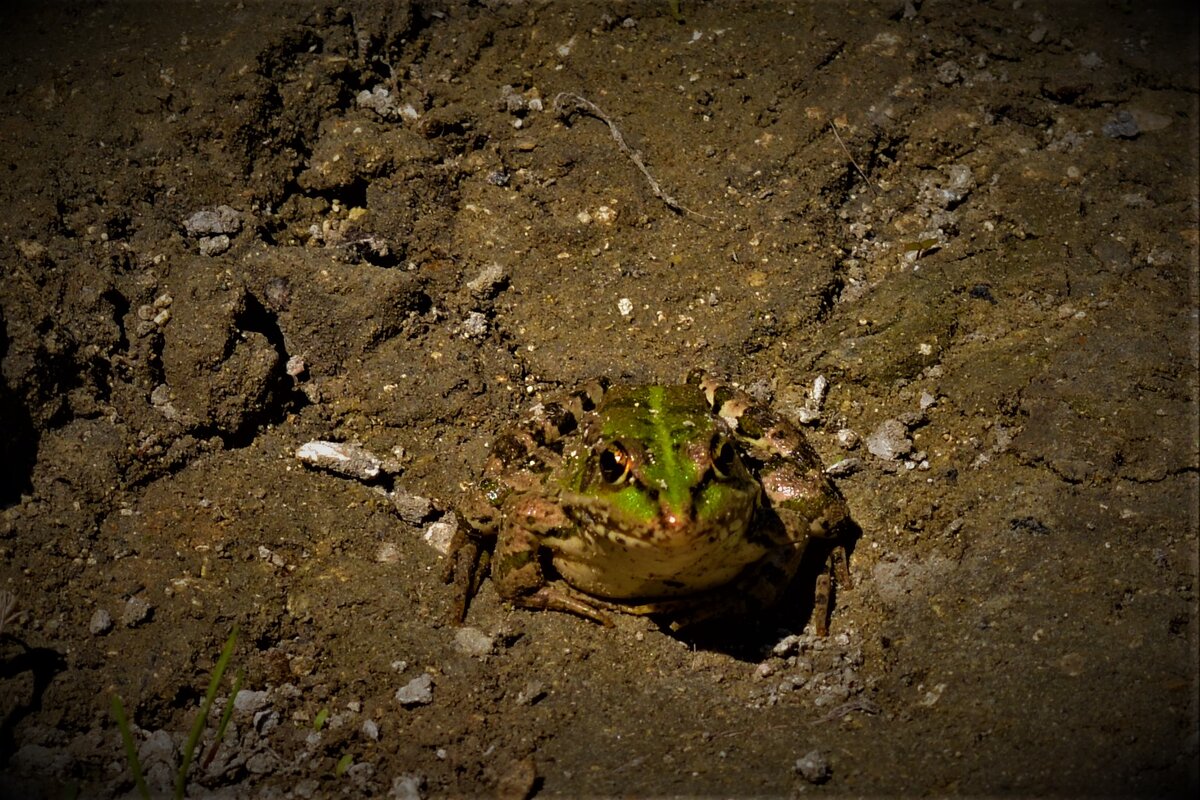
890 440
342 458
417 692
440 534
473 642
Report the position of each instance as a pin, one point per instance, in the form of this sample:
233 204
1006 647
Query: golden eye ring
615 464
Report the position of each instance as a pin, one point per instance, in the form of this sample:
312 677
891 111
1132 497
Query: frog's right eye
615 464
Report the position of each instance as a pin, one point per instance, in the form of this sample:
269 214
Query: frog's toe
555 598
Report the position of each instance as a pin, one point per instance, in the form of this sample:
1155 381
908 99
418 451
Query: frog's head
660 468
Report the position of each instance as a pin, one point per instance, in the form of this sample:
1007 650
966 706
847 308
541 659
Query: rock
381 101
222 220
417 692
488 280
1122 126
473 642
247 701
262 763
159 748
847 438
406 787
101 622
341 458
388 553
440 534
890 440
136 612
265 721
847 466
814 767
413 508
214 245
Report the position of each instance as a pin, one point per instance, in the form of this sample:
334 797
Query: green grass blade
135 766
225 717
189 749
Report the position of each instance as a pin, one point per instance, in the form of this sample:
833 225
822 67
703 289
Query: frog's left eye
615 464
724 457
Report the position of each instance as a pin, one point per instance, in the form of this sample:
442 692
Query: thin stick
584 106
870 185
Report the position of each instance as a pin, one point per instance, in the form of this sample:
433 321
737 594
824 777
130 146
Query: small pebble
847 466
1123 126
473 642
342 458
417 692
210 222
890 440
814 767
534 690
388 553
101 622
136 612
440 534
214 245
412 507
847 438
247 701
475 326
488 279
406 787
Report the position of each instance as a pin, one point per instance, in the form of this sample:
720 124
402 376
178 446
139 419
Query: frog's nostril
675 517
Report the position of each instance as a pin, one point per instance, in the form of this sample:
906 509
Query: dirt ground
233 228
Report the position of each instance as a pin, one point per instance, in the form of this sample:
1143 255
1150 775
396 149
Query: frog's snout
675 516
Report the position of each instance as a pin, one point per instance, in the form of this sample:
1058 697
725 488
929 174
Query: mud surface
977 221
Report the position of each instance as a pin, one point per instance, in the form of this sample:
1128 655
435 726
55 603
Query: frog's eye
724 457
615 463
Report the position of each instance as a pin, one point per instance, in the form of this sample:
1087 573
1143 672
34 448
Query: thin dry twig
567 103
870 185
863 704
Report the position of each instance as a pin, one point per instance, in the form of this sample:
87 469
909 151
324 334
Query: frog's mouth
641 515
656 548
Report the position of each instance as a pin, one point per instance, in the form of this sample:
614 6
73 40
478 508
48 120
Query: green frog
687 502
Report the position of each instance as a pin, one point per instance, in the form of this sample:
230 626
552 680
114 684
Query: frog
683 502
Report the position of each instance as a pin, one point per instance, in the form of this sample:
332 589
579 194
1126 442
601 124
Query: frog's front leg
517 565
836 569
